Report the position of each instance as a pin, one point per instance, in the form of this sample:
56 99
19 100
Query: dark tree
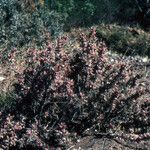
143 15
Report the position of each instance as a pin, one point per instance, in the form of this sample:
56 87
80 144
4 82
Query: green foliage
125 40
126 10
87 12
20 25
6 99
77 13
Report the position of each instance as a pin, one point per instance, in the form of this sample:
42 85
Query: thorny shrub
62 95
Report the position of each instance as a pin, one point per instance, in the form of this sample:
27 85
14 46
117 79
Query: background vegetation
31 21
62 81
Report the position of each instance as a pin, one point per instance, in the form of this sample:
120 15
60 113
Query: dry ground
93 143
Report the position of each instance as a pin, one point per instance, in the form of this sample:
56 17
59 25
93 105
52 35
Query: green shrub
125 40
6 99
89 12
21 26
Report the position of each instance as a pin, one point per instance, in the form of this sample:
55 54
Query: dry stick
104 143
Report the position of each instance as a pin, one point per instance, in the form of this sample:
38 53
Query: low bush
62 95
125 40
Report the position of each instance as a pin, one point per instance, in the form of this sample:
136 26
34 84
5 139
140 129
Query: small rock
145 59
2 78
